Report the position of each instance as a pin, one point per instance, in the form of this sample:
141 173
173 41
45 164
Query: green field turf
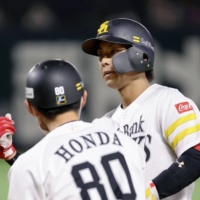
3 180
4 183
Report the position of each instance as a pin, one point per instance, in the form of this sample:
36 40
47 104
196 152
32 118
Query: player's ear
84 98
31 109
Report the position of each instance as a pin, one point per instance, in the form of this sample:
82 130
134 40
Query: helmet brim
90 46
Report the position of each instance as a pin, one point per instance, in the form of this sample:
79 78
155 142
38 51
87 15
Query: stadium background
36 30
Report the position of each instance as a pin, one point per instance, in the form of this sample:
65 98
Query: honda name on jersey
83 143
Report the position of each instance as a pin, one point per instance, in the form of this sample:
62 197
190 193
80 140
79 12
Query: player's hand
7 129
151 192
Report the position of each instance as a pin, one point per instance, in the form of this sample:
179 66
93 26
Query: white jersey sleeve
180 121
24 178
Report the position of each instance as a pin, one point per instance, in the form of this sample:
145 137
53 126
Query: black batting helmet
139 57
54 83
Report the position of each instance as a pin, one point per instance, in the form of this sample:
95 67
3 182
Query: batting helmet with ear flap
54 83
140 55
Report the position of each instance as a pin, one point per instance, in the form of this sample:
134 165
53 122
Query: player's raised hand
151 192
7 129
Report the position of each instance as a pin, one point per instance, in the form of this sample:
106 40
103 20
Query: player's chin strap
43 130
80 108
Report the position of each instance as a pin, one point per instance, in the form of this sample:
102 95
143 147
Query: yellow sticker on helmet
103 28
79 85
136 39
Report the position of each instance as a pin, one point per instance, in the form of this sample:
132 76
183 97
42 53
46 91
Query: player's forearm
10 160
179 175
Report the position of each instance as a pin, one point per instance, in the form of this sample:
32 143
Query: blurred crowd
45 15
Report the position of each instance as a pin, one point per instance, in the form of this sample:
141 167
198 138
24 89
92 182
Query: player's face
106 51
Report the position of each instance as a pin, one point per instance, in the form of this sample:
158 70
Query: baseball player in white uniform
160 119
75 160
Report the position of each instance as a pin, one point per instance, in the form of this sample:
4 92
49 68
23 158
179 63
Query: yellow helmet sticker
79 85
136 39
103 28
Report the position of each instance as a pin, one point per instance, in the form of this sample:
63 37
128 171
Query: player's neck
62 119
132 91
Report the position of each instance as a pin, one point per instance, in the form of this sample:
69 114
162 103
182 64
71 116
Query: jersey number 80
95 182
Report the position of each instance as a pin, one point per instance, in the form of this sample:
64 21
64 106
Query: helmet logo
143 41
147 43
103 28
79 86
29 93
59 90
61 99
136 39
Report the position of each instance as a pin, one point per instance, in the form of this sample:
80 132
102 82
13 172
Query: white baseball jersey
79 161
164 123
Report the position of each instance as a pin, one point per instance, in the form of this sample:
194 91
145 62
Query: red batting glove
7 130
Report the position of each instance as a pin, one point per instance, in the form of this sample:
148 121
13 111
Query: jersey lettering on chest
135 127
133 130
